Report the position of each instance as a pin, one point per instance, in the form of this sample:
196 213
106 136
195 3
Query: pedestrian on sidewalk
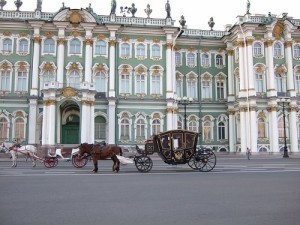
248 153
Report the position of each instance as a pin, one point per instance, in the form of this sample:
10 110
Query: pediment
74 16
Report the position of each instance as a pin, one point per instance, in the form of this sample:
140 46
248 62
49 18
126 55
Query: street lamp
282 101
184 101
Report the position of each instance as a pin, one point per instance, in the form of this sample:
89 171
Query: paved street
260 191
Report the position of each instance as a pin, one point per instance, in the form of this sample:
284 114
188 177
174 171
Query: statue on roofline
168 9
113 7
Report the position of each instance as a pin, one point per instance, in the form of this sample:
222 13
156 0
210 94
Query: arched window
100 47
74 79
100 81
190 59
277 49
205 60
7 45
221 131
219 61
75 46
100 128
3 128
125 50
140 129
261 128
140 83
207 130
140 51
177 58
257 49
23 45
156 126
155 51
297 51
125 128
192 126
281 127
49 45
297 79
5 80
19 133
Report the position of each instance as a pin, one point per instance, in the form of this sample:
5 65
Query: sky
196 12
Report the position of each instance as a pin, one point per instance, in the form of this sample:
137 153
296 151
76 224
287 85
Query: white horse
26 150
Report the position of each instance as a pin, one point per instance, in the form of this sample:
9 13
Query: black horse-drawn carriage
176 147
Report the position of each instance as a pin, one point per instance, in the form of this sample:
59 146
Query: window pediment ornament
7 33
220 77
206 77
280 69
22 66
141 70
259 69
261 115
297 40
220 50
5 66
68 92
48 67
298 70
191 49
141 39
156 116
23 34
99 68
155 40
100 37
125 39
75 33
48 34
206 50
75 18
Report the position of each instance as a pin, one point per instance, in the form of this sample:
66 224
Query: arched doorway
70 126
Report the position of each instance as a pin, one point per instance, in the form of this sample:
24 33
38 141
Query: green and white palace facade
75 76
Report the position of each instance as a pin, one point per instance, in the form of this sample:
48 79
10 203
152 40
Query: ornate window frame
255 49
19 114
141 70
279 55
207 123
74 66
296 52
6 66
44 39
206 77
156 43
221 78
125 69
178 58
21 66
9 51
127 41
224 119
140 57
96 40
46 66
73 38
19 39
102 68
191 76
125 115
140 116
159 117
179 77
156 70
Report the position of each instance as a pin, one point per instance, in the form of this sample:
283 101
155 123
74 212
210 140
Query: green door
70 133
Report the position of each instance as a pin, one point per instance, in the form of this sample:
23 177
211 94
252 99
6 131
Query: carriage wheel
79 162
203 161
143 163
50 162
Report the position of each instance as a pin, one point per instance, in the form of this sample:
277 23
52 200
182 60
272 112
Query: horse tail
121 151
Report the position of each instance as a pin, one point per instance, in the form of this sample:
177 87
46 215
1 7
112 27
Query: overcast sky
196 12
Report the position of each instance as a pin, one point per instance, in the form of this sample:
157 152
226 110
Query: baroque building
74 76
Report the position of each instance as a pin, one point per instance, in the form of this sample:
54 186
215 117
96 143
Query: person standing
248 153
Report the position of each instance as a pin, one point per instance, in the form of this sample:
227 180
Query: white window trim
160 77
120 48
10 72
224 81
145 123
186 59
210 87
209 59
12 45
106 49
151 54
224 119
135 50
282 50
69 39
296 58
180 63
106 69
43 44
189 77
18 46
146 79
27 66
223 59
120 118
262 49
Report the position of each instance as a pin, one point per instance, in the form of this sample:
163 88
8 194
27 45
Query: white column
169 69
242 70
293 128
84 125
230 74
92 123
35 65
249 61
88 57
231 131
111 121
60 61
169 111
273 127
253 125
270 69
32 121
290 74
243 130
112 66
45 123
52 123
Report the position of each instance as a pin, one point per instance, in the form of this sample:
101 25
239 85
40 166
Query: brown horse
101 152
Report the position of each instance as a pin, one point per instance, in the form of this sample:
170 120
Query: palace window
259 83
140 84
49 46
155 84
221 131
22 77
190 59
207 130
23 46
140 51
261 128
100 81
7 45
205 60
19 133
125 125
192 126
74 79
3 129
156 127
140 129
125 83
280 83
5 80
156 51
179 87
178 59
75 46
125 50
220 89
278 50
219 61
191 87
257 49
100 128
100 48
281 127
206 87
297 51
297 78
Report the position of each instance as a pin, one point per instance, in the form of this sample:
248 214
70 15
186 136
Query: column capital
231 112
288 44
269 42
37 39
112 42
169 45
272 108
89 41
230 52
60 41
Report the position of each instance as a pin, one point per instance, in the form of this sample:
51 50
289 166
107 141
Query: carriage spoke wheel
50 162
203 161
143 163
79 162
